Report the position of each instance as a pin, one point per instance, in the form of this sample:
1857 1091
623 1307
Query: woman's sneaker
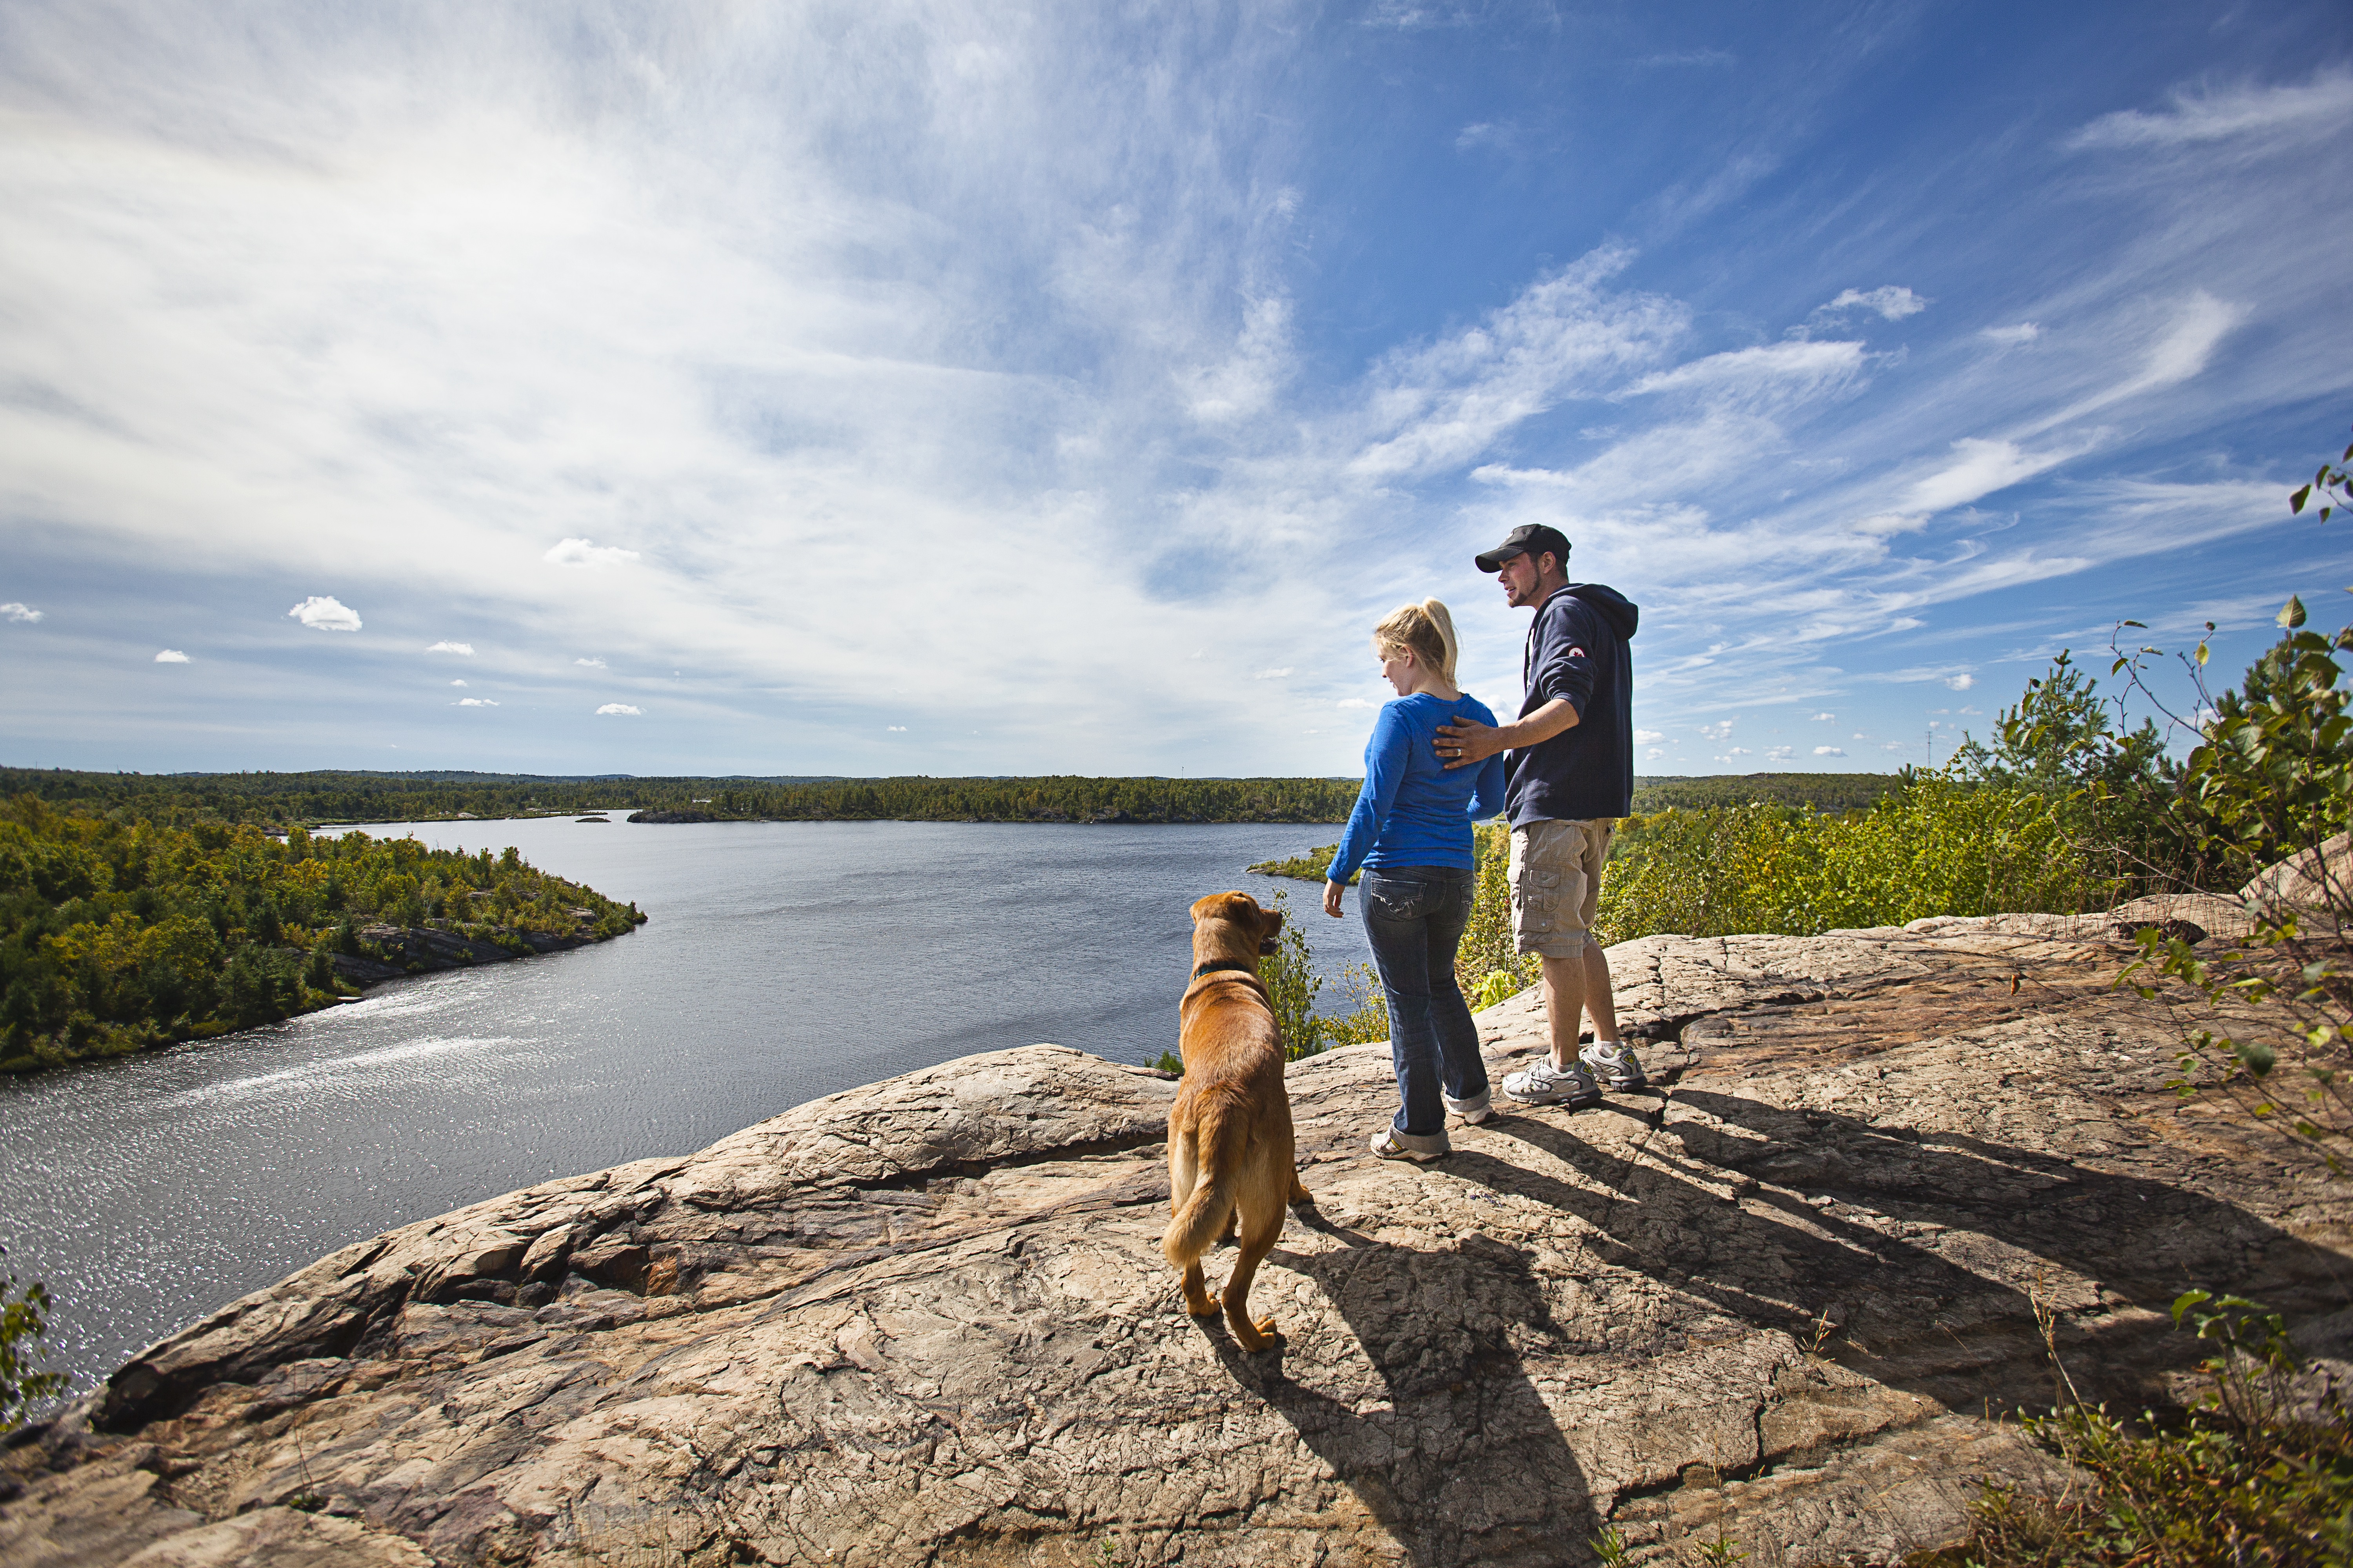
1479 1108
1391 1144
1544 1084
1614 1066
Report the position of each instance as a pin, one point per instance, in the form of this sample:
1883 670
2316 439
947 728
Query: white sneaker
1544 1084
1391 1144
1613 1066
1474 1110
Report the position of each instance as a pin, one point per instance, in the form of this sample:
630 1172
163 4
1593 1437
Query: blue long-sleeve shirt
1412 811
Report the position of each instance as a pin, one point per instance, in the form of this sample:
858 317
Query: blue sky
889 389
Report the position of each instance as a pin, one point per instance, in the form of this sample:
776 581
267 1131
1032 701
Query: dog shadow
1455 1452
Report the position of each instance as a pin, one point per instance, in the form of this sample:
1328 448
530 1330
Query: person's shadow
1445 1439
1921 1273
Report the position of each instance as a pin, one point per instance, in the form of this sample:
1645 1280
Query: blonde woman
1411 833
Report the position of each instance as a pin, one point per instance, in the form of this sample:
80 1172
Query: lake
782 961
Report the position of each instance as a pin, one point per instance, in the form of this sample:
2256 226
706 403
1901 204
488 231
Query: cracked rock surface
1777 1297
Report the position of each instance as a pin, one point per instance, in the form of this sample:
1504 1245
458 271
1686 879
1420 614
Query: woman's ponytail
1426 629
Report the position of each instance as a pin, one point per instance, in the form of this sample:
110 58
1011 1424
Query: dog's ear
1271 922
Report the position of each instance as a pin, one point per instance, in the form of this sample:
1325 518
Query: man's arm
1466 743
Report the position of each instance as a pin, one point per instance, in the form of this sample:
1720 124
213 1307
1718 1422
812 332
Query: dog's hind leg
1261 1223
1183 1173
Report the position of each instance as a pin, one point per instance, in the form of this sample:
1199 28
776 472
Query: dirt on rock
1786 1297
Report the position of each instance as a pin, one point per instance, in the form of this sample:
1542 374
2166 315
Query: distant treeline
116 935
292 800
296 800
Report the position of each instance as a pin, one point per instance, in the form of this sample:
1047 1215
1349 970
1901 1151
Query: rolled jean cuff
1420 1142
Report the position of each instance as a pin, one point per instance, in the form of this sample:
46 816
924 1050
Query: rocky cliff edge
1787 1296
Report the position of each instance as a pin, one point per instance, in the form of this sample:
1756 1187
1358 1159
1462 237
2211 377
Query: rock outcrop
1787 1296
394 950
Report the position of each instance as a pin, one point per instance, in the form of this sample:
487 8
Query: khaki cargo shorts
1556 876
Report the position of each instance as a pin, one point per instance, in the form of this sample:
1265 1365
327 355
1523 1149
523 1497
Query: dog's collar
1242 964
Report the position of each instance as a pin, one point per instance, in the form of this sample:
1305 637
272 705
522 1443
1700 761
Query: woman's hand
1332 891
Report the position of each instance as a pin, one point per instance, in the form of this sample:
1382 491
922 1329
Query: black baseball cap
1528 539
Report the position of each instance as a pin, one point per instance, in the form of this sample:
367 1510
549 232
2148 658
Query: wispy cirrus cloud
2196 115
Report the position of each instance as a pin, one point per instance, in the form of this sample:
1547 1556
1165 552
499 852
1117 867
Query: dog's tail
1220 1140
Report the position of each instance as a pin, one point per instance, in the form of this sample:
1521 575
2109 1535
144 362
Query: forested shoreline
119 934
286 801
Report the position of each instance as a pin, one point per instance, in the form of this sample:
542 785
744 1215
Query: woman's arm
1487 789
1384 759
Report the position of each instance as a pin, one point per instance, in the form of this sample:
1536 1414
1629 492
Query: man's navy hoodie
1576 650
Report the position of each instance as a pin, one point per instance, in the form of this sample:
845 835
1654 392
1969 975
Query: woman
1410 831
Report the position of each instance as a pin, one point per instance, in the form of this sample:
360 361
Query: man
1570 774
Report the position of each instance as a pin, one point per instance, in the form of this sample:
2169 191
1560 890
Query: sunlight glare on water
784 961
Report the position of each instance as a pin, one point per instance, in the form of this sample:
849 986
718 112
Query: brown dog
1229 1145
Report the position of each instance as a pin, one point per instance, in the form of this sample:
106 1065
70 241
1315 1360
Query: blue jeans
1415 916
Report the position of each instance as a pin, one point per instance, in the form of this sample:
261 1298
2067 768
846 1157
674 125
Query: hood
1615 609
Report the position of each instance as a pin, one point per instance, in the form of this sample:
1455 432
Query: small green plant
1721 1552
24 1320
2244 1476
1495 985
1292 987
1367 1016
1171 1062
1611 1547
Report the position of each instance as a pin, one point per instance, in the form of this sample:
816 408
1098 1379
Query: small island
121 932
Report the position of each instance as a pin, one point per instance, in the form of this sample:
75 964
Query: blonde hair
1425 630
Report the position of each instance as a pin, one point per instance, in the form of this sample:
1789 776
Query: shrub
2244 1478
1936 846
24 1320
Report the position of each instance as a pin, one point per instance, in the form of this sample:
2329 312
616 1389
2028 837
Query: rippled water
784 961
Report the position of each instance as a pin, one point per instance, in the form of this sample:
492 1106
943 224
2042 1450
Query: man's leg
1564 996
1547 891
1600 998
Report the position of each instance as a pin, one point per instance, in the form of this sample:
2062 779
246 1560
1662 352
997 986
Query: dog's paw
1256 1336
1207 1307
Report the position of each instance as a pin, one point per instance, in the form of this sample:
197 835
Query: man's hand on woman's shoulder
1466 743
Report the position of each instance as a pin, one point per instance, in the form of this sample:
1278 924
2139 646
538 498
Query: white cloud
1892 303
171 656
587 552
1273 674
2318 105
1857 735
590 663
2023 333
1648 737
325 614
1364 702
1719 731
1692 58
474 702
1982 467
16 612
1829 752
1779 753
1800 365
457 683
1825 718
895 728
1654 753
1735 752
623 708
1961 682
464 647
